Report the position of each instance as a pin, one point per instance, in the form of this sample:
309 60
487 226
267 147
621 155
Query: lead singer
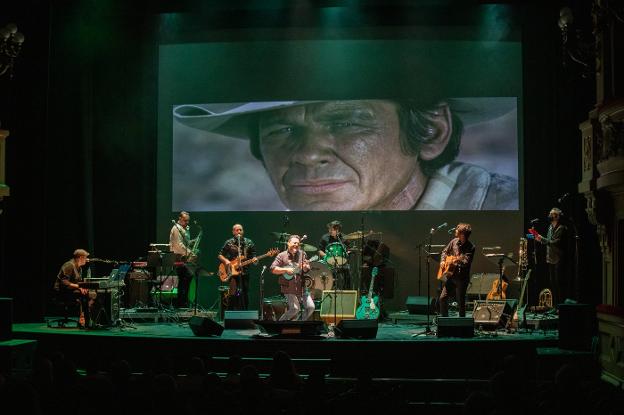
290 266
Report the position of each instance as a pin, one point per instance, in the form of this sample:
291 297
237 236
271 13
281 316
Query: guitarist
238 247
290 265
457 284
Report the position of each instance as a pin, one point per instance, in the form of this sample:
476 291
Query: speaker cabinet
493 314
417 304
341 304
357 329
455 327
6 318
203 326
577 325
240 319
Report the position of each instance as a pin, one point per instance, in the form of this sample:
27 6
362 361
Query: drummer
333 236
334 250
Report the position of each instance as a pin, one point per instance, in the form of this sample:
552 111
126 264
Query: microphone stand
302 279
261 308
427 330
240 274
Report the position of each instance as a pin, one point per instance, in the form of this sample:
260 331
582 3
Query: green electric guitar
369 309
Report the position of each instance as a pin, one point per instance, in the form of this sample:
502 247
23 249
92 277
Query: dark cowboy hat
234 120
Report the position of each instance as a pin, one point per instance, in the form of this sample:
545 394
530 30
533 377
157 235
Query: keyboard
143 264
95 283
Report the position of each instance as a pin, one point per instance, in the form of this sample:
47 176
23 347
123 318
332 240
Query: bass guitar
236 265
369 307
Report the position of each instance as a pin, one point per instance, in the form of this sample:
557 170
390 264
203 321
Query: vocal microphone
433 230
263 269
450 231
173 221
535 220
303 238
564 197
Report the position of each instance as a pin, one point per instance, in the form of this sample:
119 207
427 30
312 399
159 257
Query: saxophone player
181 244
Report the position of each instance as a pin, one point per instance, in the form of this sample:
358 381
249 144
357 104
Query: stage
399 349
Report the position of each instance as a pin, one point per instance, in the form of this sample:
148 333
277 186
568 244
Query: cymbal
280 235
359 235
308 248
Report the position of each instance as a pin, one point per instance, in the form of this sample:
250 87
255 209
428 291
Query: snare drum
335 254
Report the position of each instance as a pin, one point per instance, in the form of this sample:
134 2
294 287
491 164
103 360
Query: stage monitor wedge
357 329
205 327
243 319
455 327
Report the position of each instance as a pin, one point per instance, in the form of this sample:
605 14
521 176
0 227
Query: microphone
433 230
194 222
263 269
450 231
535 220
564 197
173 221
303 238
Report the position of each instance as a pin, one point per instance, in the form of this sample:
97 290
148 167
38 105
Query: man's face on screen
339 155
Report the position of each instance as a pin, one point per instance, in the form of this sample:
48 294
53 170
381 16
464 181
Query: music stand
502 260
159 260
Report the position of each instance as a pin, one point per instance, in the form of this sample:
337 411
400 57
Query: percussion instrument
335 254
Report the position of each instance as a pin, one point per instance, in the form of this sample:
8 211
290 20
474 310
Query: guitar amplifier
338 305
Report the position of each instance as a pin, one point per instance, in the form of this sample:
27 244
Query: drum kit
323 271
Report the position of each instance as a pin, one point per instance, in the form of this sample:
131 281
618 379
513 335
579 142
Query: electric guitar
236 265
369 308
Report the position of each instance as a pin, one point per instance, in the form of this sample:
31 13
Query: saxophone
195 248
523 259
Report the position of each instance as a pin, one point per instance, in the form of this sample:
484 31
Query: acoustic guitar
498 290
236 265
448 267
